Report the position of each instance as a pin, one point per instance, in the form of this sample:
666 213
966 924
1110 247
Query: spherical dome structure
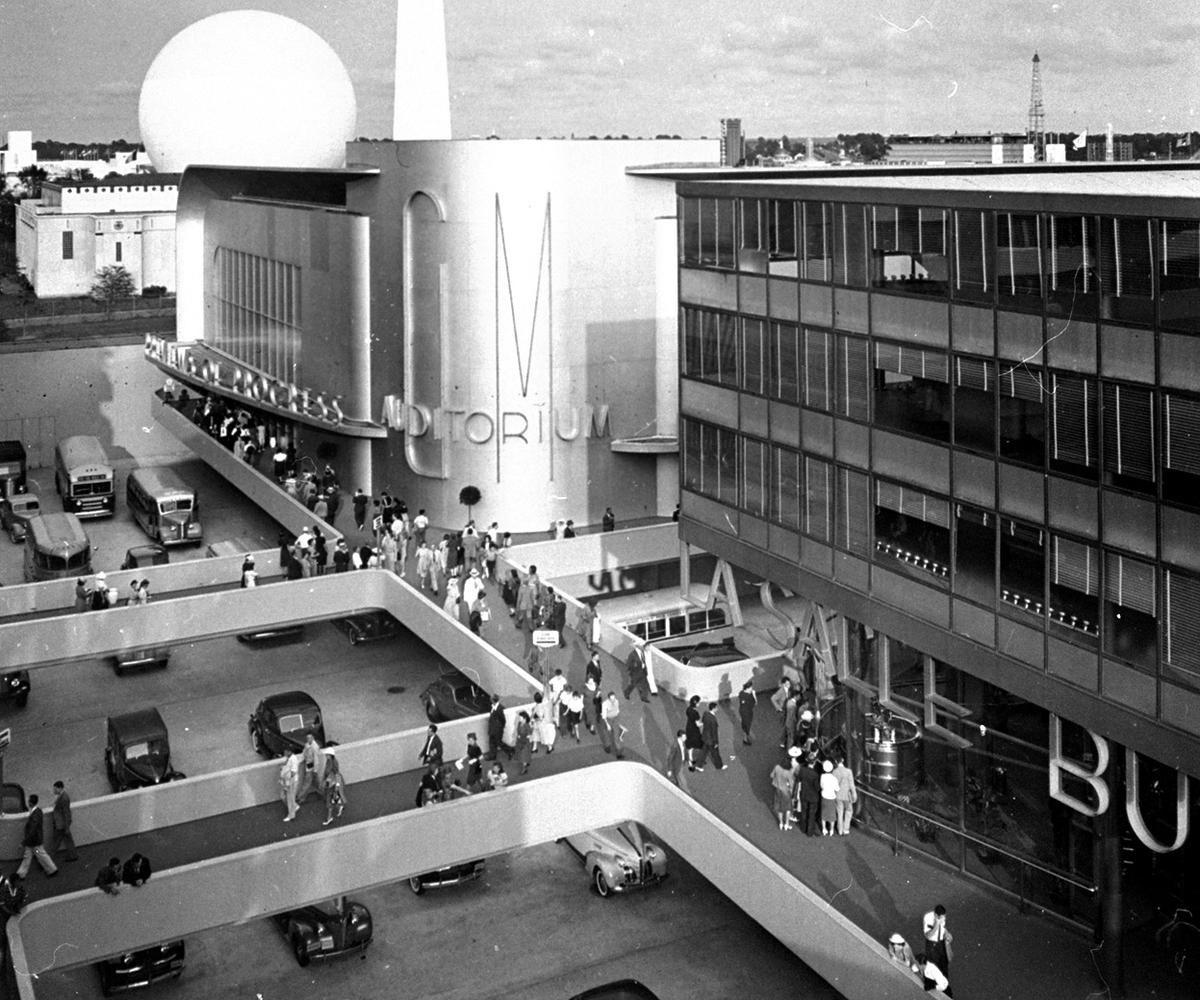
246 88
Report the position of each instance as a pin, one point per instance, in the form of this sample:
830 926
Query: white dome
246 88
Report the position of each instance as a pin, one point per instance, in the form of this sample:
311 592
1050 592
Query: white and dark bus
166 507
83 477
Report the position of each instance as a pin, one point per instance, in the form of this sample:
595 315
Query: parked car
281 723
136 969
618 858
272 635
146 658
150 554
706 654
15 686
453 696
137 750
622 989
468 871
319 932
15 512
368 626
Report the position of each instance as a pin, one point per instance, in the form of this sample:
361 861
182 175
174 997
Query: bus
83 477
56 546
165 506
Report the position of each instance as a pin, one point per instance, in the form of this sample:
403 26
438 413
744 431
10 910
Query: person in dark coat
136 871
61 823
693 739
746 703
709 731
108 878
637 674
496 723
810 796
432 752
33 842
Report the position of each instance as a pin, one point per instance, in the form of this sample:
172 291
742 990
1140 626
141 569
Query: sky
72 69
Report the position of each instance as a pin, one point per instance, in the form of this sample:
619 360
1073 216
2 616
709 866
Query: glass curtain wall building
962 412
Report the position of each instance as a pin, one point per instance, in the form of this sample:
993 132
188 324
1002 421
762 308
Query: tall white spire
421 102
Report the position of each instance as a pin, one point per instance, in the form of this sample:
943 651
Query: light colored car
618 858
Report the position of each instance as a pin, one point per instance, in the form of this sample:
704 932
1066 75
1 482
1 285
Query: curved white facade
520 301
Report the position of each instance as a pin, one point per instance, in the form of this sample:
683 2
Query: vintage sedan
149 554
320 932
368 627
15 512
136 969
15 686
453 696
281 724
137 750
468 871
618 858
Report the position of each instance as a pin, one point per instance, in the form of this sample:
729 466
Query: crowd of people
97 595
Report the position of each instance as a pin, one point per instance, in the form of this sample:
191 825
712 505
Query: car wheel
416 885
256 741
601 883
300 951
22 699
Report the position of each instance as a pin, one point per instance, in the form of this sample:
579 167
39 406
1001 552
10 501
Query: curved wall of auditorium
514 301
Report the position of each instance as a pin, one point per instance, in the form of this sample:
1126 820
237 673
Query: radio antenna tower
1035 133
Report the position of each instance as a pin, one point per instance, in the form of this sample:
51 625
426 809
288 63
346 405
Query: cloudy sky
72 69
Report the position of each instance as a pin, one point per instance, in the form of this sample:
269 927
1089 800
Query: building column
1110 922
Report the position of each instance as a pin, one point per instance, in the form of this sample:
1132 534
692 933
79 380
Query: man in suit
496 724
810 796
431 753
709 732
33 840
637 674
675 757
61 822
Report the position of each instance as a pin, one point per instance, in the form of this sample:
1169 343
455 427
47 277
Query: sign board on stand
545 638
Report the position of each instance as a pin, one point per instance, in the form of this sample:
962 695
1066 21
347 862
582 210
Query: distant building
77 227
18 153
733 142
1122 149
955 149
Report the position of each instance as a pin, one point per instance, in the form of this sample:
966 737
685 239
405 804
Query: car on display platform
272 635
622 989
326 931
618 858
150 554
705 654
15 512
144 967
368 627
454 696
281 724
15 686
468 871
137 750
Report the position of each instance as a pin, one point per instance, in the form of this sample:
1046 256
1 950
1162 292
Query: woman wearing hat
829 790
899 951
783 781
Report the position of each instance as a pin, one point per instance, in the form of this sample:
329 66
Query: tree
113 283
31 178
469 496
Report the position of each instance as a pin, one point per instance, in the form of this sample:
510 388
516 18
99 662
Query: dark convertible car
136 969
282 722
368 627
453 696
319 932
137 750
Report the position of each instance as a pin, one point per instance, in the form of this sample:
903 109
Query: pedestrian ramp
87 926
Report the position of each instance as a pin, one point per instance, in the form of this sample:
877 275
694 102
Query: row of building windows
255 306
1136 437
1070 265
1087 593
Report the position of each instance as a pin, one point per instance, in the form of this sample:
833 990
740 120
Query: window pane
1022 414
912 529
1181 450
817 497
1183 621
1073 432
1127 270
1130 622
854 377
975 554
782 233
752 255
785 504
975 403
754 478
1071 265
754 355
785 361
1022 567
973 256
912 390
691 455
726 467
850 245
818 264
1179 276
818 362
1018 260
1129 437
908 249
726 254
1074 587
689 230
853 497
